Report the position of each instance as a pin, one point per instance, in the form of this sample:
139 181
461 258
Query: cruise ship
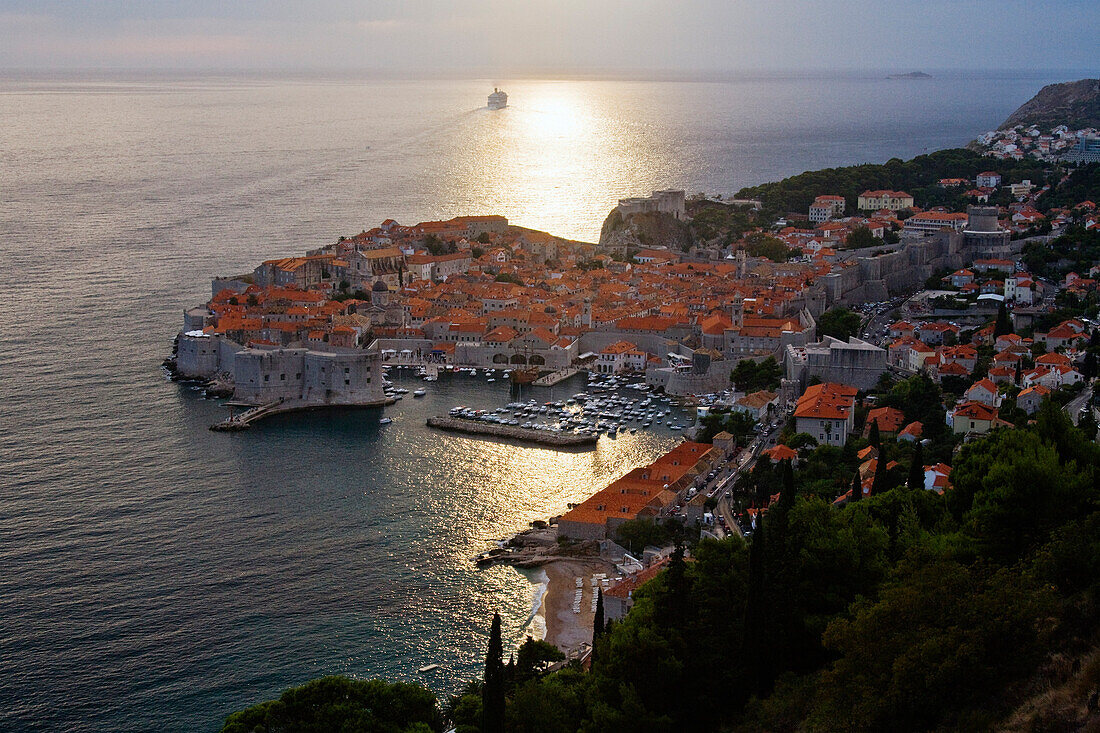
498 99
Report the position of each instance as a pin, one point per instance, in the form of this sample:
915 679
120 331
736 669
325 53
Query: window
282 377
266 377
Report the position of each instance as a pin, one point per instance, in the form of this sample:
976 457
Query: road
1073 407
880 318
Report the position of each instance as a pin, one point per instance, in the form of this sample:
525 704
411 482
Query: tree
1002 325
343 704
752 376
878 483
753 650
534 656
838 322
434 245
637 534
873 436
759 244
1088 366
1087 425
1014 487
916 469
597 621
857 488
492 695
942 639
862 237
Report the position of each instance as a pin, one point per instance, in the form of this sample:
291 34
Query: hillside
1074 103
919 176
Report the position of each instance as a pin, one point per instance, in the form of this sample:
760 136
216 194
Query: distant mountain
911 75
1075 104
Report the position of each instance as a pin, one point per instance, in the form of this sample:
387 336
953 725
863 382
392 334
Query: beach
565 629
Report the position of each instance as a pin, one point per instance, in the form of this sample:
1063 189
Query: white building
930 222
621 356
826 207
988 179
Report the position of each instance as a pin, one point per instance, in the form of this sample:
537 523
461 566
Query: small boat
385 421
428 668
419 393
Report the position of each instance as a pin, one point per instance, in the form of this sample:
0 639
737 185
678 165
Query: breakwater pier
243 420
554 377
528 435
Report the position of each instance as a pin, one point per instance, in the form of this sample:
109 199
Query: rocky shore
540 437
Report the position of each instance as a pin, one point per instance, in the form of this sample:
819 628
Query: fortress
907 266
668 202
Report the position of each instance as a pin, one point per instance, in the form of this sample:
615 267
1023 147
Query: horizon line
530 74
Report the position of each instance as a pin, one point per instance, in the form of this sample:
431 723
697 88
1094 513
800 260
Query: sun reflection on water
552 155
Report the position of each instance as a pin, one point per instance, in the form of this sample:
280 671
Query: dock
244 420
527 435
554 377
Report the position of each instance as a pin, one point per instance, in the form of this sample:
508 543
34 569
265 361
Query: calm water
156 575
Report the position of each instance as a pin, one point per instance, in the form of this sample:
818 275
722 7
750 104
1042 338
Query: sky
514 37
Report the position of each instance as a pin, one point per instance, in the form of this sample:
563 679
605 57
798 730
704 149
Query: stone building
854 362
663 202
352 377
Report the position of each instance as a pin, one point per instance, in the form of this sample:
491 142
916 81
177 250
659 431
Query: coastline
564 629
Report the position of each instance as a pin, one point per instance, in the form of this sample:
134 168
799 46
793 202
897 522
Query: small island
910 75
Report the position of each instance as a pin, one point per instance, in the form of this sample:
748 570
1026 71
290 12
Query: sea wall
199 356
511 432
655 344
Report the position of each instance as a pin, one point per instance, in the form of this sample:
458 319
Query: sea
155 575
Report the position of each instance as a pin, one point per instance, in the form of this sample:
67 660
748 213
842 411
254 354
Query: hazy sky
573 36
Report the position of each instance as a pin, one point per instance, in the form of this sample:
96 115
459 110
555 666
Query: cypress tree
857 488
1002 325
1088 367
492 695
598 622
874 437
916 469
1019 370
781 573
878 483
753 640
597 629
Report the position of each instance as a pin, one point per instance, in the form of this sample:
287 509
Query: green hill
1075 104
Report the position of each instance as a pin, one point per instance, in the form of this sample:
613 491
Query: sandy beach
565 629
